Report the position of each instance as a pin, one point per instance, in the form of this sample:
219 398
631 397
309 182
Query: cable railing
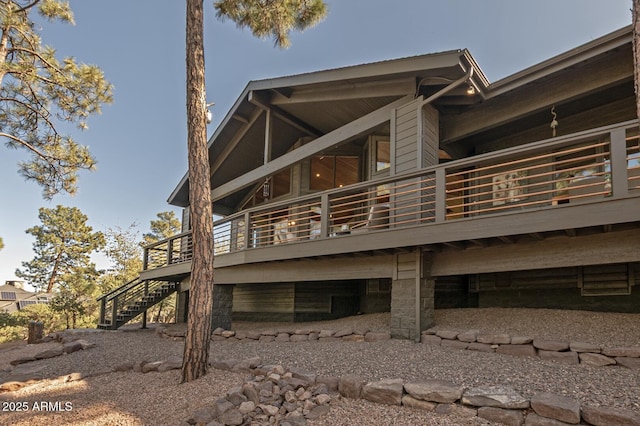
580 168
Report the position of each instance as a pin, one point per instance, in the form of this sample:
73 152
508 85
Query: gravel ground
156 398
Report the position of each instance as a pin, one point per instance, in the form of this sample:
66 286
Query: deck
509 203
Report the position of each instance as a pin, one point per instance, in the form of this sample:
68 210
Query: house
13 297
412 184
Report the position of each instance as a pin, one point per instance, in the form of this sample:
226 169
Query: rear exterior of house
414 184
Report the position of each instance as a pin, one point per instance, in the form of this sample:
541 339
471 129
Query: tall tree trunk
636 51
196 345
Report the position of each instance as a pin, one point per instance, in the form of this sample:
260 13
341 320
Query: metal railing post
619 178
441 195
114 313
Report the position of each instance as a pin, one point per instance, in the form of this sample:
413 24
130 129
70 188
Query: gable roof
316 103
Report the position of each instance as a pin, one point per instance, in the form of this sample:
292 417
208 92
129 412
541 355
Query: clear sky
140 140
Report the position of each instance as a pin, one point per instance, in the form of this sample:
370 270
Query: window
8 295
328 172
383 155
274 186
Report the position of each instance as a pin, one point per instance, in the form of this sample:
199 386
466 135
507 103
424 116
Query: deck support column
222 306
412 295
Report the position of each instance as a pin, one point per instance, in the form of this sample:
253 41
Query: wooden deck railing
584 167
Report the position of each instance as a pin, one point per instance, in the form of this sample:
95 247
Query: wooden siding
271 298
318 297
430 136
406 138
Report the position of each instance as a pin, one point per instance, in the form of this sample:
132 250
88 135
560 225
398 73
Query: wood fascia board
498 111
318 145
308 270
376 69
562 61
616 247
345 91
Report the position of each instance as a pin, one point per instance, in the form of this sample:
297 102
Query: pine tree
166 225
64 243
264 18
38 93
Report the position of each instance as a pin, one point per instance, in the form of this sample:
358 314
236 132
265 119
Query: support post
222 306
114 313
619 178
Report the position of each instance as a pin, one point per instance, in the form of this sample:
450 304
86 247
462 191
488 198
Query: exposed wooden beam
479 243
240 118
536 236
454 245
570 232
340 135
263 102
235 141
507 240
346 91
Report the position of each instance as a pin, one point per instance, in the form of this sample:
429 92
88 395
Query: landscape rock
228 333
353 338
204 415
253 335
623 352
225 364
151 366
307 376
318 412
232 417
330 381
517 350
500 415
495 396
326 333
594 359
350 386
468 336
603 416
557 407
299 338
71 347
521 340
388 391
584 347
494 339
456 344
411 402
480 347
12 386
86 344
282 337
374 336
449 335
434 390
267 339
566 357
22 360
551 345
49 353
535 420
343 332
630 363
313 336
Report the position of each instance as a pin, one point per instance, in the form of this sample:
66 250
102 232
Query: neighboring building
413 184
13 297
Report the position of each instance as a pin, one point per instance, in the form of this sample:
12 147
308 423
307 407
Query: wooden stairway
121 305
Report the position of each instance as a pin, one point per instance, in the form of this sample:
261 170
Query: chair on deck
281 233
378 218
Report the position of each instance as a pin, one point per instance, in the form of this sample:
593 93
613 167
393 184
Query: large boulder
502 416
350 386
603 416
434 390
495 396
556 407
387 391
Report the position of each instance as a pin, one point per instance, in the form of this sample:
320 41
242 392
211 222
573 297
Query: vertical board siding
317 297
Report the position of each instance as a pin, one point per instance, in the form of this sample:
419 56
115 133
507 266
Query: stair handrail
122 289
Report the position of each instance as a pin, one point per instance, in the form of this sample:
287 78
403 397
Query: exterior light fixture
471 90
266 189
209 113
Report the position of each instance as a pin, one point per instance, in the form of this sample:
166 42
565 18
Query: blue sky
140 140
